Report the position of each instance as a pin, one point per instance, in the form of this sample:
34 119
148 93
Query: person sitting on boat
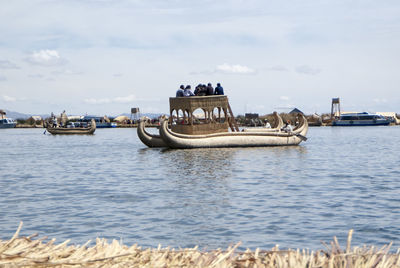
267 124
197 89
219 90
179 92
200 90
187 92
210 90
287 127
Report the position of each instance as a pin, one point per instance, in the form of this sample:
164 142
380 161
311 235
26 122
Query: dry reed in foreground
29 252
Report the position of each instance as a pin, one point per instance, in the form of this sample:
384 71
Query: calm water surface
110 185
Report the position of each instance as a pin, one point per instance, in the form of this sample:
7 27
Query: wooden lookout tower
201 115
135 112
335 108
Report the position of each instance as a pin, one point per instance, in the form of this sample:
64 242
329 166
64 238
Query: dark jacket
210 90
219 90
179 93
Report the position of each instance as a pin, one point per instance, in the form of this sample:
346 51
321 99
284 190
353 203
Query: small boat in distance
7 123
72 130
361 119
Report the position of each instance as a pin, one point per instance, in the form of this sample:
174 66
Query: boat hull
11 125
233 139
68 131
355 123
72 131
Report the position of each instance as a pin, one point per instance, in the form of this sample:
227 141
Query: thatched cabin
201 115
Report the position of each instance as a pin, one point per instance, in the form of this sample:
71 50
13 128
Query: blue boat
361 119
100 121
7 123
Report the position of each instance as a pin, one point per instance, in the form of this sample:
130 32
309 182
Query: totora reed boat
208 122
73 130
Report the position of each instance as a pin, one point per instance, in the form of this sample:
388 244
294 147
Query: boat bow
151 140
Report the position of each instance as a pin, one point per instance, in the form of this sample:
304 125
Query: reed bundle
30 252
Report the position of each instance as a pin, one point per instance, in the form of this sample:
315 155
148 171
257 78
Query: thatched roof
121 118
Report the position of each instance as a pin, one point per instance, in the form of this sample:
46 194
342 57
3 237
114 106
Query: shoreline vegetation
41 252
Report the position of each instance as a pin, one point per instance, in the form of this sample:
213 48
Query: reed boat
73 130
208 122
151 140
234 139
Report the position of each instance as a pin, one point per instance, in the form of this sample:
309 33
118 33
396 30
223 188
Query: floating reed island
35 252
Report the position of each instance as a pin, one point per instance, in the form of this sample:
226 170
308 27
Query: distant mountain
16 115
150 115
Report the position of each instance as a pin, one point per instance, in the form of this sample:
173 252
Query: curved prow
278 120
93 124
302 128
151 140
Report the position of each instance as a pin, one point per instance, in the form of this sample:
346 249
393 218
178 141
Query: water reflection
200 185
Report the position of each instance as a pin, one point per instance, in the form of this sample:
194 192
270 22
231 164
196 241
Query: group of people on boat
200 90
286 128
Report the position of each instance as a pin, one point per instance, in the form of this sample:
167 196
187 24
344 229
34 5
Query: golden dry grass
30 252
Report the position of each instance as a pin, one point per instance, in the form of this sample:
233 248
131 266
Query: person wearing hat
179 92
187 92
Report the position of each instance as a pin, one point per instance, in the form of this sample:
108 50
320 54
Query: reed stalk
35 252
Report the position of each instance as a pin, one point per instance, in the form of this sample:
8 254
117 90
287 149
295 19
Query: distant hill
16 115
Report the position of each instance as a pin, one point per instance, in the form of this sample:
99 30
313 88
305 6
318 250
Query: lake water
110 185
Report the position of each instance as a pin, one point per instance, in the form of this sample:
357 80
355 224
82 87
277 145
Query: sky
104 57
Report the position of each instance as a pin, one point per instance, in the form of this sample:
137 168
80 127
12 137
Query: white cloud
67 72
380 101
98 101
5 64
278 68
305 69
9 99
234 69
46 58
284 98
126 99
35 75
